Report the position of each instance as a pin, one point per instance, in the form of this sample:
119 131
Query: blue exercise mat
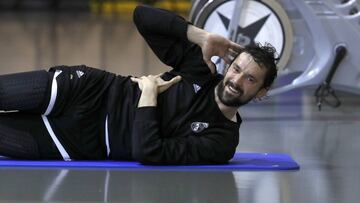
240 162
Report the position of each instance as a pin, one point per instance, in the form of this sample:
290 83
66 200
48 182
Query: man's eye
250 79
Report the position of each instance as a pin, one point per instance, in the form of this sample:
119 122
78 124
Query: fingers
149 77
141 79
212 67
155 81
210 64
167 84
135 79
236 47
172 81
232 52
230 55
158 75
228 59
176 78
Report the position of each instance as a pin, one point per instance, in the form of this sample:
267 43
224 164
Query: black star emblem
249 32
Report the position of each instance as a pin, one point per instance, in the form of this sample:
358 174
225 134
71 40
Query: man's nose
239 78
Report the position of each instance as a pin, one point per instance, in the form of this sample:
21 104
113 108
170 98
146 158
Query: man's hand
213 45
155 83
151 86
216 45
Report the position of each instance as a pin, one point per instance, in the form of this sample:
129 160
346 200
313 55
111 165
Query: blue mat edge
287 163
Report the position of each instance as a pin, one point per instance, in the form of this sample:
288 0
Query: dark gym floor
325 144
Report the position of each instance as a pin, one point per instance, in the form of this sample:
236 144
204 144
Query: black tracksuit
186 126
167 133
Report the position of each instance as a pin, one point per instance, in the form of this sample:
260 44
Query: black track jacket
186 126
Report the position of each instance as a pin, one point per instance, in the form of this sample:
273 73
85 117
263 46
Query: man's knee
24 91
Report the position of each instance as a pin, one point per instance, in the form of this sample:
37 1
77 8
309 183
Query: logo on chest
196 88
197 127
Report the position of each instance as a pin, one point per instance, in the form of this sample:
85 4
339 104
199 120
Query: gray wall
36 40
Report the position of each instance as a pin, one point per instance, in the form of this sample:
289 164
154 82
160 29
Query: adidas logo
79 73
196 88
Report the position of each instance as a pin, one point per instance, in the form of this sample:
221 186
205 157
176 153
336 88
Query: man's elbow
136 15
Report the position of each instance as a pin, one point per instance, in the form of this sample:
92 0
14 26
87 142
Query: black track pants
60 114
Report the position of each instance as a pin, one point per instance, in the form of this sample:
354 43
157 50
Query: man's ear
261 93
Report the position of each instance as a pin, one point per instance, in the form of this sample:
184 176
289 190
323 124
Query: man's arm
164 32
173 39
149 146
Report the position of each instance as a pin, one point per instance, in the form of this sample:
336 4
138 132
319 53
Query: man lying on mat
185 116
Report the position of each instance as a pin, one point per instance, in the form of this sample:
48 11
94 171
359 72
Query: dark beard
230 100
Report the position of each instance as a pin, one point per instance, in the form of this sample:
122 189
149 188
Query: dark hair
265 57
